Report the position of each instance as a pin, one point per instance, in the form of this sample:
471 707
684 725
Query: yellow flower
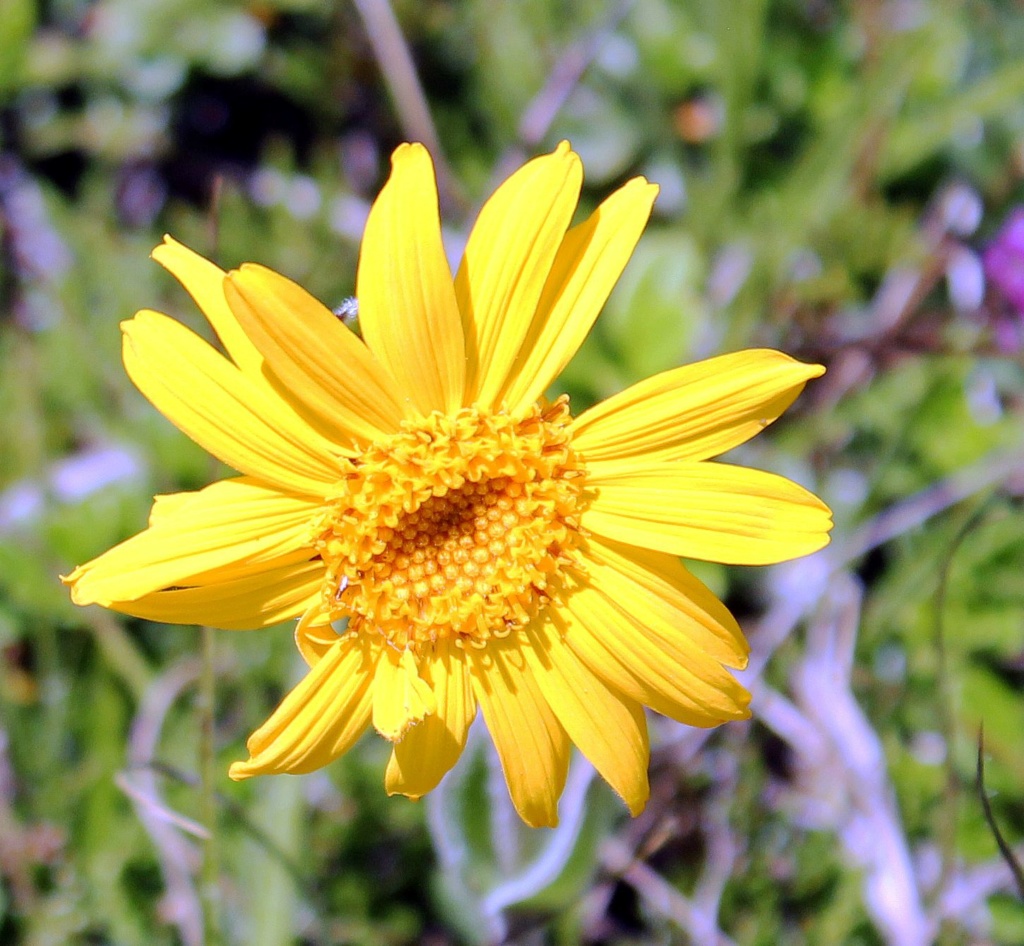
450 539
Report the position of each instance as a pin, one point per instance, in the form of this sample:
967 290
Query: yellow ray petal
204 282
401 698
609 728
661 586
214 403
279 592
430 749
314 633
507 261
531 743
589 263
166 505
667 675
407 308
694 412
709 511
318 721
319 360
232 523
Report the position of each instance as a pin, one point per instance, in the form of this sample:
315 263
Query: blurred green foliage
808 154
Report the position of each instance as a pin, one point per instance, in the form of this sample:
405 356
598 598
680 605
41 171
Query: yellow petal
166 505
314 633
530 741
507 261
214 403
278 592
609 728
709 511
229 525
401 698
694 412
651 667
318 359
318 721
589 263
204 282
674 600
430 749
407 308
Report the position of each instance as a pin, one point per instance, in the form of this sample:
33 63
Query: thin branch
659 894
992 470
176 855
1004 848
799 586
213 215
552 858
238 812
946 698
868 825
399 72
159 810
543 109
723 850
540 114
209 883
971 886
206 703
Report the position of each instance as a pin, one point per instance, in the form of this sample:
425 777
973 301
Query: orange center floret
454 526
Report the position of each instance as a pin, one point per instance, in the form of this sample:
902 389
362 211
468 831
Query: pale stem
209 882
399 72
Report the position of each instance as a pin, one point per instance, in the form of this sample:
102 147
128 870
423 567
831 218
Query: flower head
449 539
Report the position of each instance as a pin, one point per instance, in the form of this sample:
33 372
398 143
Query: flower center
454 527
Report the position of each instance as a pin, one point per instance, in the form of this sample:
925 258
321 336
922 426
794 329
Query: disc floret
454 526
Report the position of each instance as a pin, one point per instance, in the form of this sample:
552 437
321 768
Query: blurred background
843 181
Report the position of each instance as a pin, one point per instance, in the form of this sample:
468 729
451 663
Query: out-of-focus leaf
19 19
656 314
602 132
918 137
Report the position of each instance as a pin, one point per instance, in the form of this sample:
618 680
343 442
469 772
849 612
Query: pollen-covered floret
453 527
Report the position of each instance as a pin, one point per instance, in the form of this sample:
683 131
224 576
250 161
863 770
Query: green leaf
19 19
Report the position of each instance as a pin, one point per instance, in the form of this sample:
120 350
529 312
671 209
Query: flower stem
209 881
